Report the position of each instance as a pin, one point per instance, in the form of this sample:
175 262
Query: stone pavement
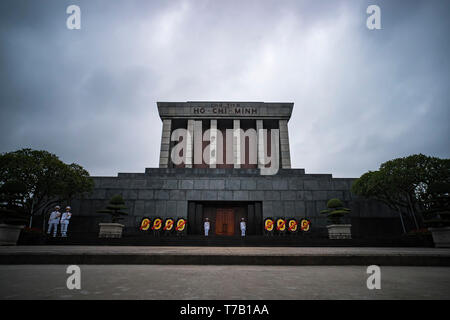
224 255
168 282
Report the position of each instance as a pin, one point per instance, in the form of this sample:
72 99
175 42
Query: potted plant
13 216
334 213
437 214
114 208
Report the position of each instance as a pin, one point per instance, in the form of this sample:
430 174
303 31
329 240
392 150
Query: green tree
12 209
437 202
377 185
335 211
405 184
114 208
46 179
76 180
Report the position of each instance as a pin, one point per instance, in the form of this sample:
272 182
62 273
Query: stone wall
166 192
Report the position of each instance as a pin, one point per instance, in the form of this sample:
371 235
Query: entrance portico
224 217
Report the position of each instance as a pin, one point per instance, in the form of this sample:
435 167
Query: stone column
284 145
165 144
213 144
189 144
198 142
261 151
236 144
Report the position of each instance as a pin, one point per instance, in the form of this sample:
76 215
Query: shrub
335 210
114 208
334 203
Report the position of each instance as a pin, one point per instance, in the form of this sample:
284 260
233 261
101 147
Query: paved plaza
211 280
222 282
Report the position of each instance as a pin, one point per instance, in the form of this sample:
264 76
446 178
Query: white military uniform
65 223
53 222
243 226
206 226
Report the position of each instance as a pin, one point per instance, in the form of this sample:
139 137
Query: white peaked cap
68 207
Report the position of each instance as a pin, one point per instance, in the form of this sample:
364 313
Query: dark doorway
224 217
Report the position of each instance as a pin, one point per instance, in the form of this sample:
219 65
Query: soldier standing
54 221
243 227
206 226
65 221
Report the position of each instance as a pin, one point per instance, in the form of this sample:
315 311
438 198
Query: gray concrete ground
222 282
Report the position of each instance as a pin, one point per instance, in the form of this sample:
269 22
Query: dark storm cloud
361 97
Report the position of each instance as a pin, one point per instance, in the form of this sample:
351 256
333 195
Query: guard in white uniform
65 221
243 227
54 221
206 226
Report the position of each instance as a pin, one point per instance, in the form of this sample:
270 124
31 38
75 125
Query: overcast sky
361 96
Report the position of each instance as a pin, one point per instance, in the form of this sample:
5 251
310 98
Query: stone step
165 255
252 241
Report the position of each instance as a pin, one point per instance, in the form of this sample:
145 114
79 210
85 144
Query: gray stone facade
222 110
167 192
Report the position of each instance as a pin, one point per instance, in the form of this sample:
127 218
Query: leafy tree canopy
416 184
46 179
12 210
114 208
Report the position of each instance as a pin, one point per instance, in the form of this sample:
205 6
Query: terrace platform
135 255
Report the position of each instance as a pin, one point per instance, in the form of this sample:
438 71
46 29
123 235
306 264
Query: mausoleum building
214 163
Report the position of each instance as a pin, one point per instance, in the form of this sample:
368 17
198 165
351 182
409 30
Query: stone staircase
235 241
